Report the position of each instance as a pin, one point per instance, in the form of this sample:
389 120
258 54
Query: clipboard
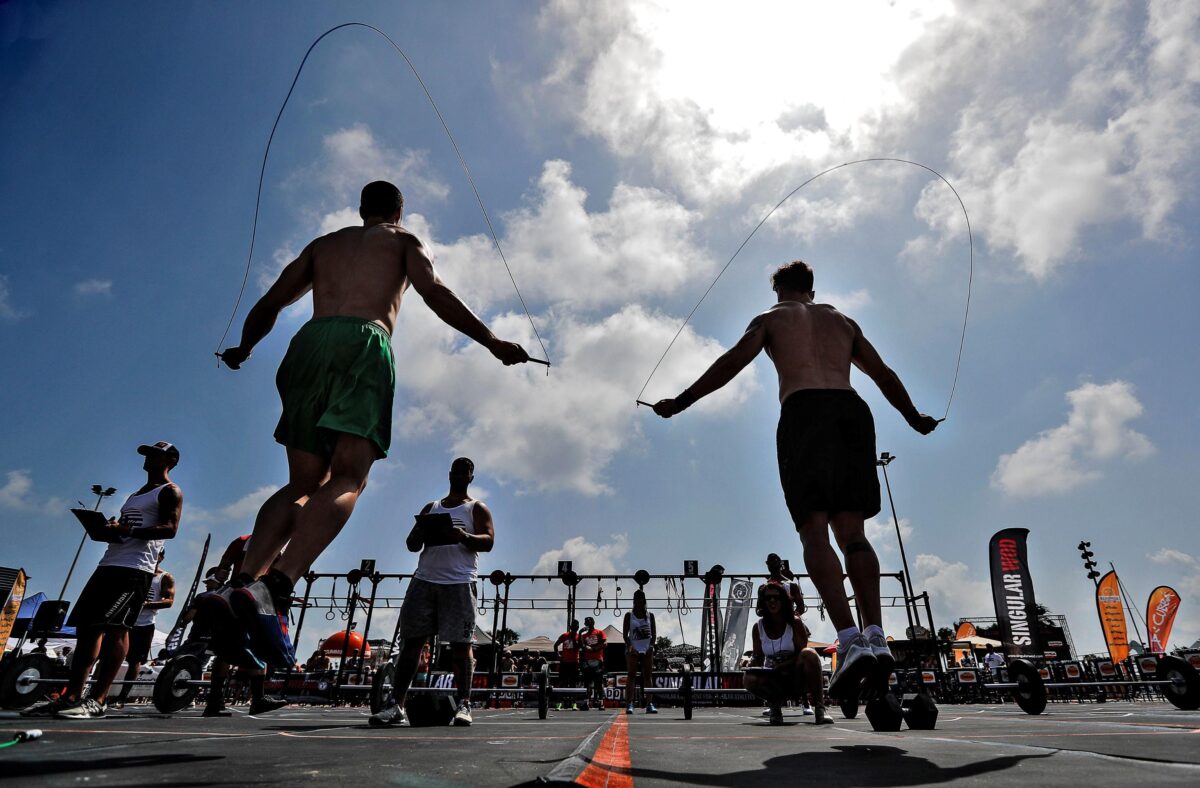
96 525
436 529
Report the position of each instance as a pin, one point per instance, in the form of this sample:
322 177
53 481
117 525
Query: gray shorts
443 609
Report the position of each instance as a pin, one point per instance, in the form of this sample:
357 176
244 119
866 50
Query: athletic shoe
819 717
47 708
629 708
856 660
85 709
269 639
883 654
462 717
216 711
266 704
582 706
391 715
806 710
766 712
651 709
776 717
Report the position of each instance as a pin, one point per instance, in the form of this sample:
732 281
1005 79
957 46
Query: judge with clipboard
440 600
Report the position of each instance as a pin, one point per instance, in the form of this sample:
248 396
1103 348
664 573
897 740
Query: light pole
884 460
101 493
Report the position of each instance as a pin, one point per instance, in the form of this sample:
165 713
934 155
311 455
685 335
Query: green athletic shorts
338 376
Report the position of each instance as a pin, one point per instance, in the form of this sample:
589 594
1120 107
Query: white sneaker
856 660
84 709
806 711
462 717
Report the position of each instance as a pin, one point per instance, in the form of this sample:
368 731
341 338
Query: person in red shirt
567 650
591 644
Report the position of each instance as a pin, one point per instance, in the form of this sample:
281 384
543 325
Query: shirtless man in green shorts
336 383
826 449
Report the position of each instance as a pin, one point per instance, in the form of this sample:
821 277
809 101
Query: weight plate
15 693
1184 690
381 687
1030 692
171 693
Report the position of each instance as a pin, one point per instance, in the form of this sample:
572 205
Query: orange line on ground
610 764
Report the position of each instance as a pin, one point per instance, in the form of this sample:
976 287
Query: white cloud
848 303
953 590
882 533
243 509
94 287
549 432
354 158
17 494
1166 555
546 614
7 310
1060 459
1104 138
642 246
641 77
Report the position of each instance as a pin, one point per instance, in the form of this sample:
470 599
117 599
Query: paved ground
1126 743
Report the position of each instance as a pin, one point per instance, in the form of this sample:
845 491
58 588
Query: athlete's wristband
686 399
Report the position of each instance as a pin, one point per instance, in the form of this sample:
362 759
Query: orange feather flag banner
1112 616
1161 608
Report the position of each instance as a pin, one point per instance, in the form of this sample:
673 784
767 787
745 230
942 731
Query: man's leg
112 655
131 673
215 705
825 569
631 660
276 521
862 565
327 509
464 675
87 651
406 668
647 677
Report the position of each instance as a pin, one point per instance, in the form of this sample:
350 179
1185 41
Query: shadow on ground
851 765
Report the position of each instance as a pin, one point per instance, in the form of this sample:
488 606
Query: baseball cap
162 447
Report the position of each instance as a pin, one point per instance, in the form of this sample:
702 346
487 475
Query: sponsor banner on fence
965 630
8 614
1160 616
1112 616
737 617
1012 592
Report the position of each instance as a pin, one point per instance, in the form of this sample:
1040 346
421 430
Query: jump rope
457 152
970 275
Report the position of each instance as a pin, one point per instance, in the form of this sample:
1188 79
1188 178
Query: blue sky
624 151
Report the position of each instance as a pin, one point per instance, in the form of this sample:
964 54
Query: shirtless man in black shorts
826 447
336 384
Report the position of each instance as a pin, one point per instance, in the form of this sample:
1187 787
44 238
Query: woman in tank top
782 666
639 631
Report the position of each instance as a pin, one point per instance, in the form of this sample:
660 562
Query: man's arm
294 281
168 594
723 370
170 507
867 359
453 312
484 537
756 645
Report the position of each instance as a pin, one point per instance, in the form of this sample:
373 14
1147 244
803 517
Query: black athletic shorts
826 447
568 674
113 597
140 640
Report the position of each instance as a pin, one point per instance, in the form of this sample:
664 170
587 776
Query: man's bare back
812 345
362 272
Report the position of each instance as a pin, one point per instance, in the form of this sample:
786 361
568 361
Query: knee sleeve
857 546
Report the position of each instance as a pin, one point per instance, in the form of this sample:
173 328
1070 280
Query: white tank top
639 632
450 563
147 617
130 552
776 651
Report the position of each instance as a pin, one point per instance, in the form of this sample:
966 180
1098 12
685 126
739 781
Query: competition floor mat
1095 744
